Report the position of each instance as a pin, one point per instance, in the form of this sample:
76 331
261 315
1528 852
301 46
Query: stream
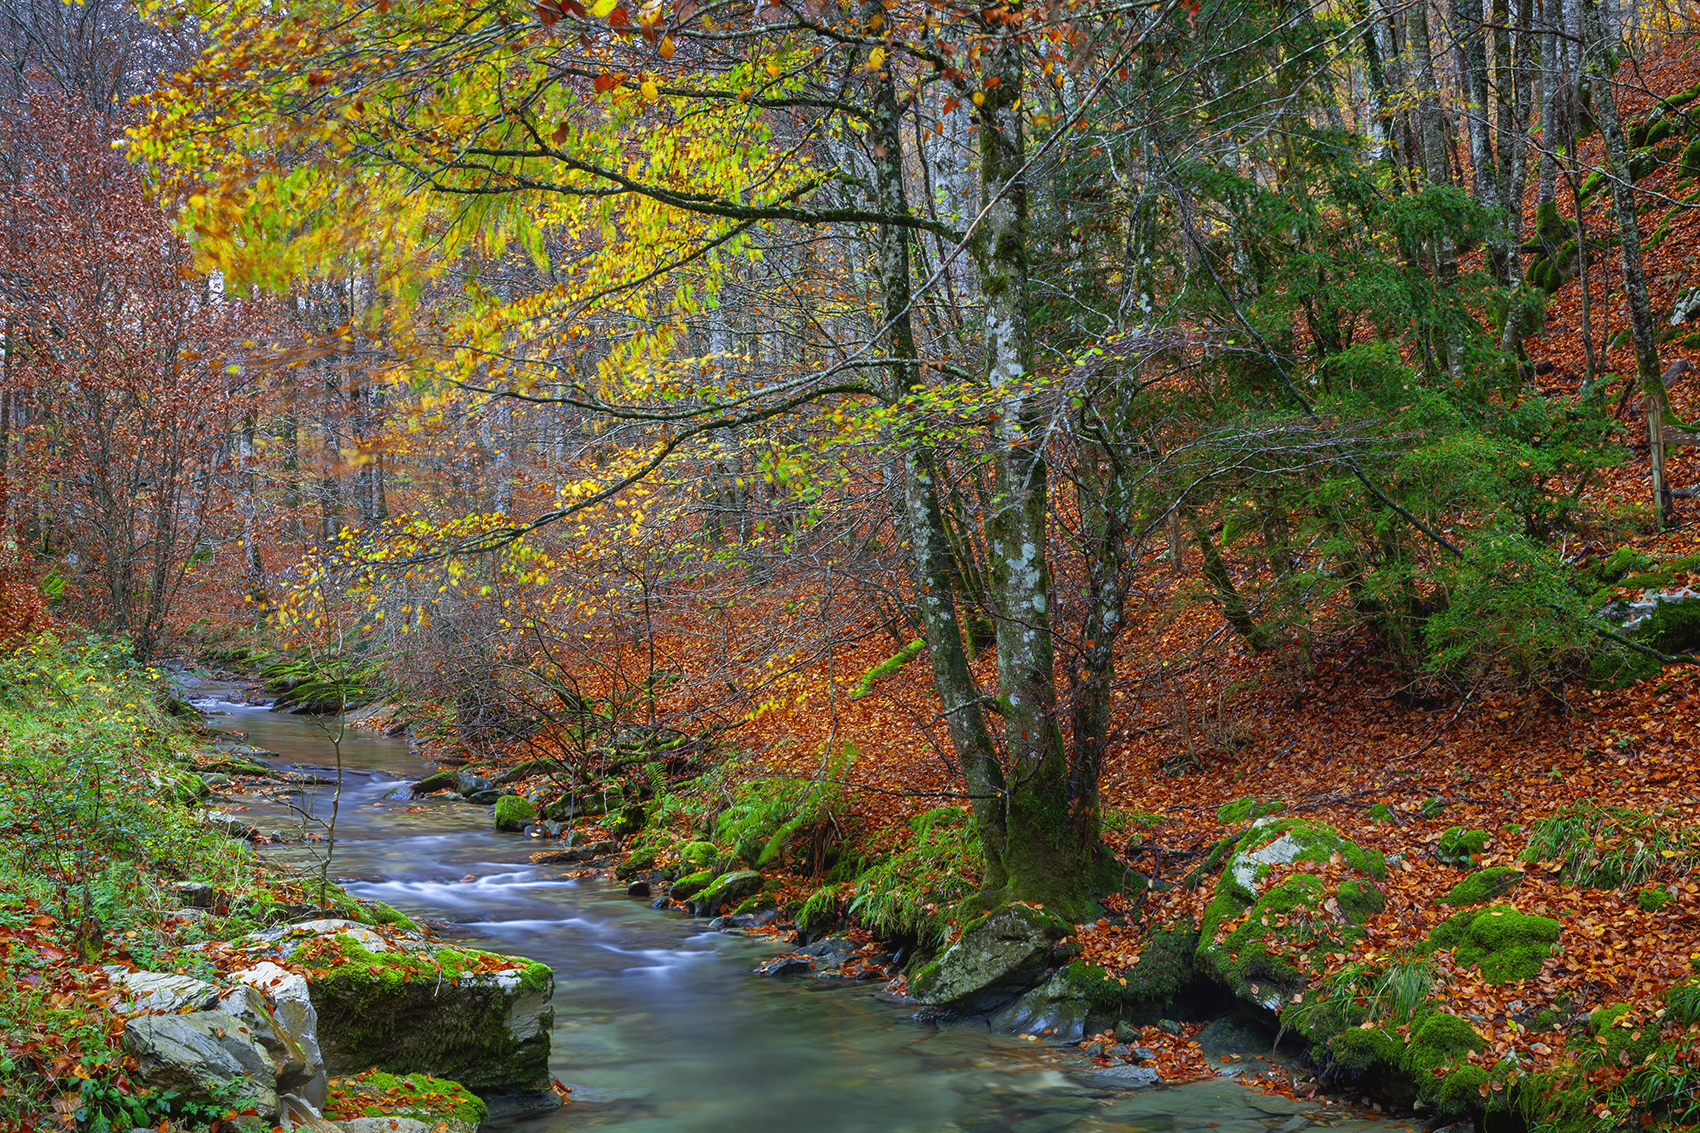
658 1023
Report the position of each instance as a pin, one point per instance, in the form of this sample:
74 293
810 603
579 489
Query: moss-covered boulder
1081 996
513 812
1459 847
1483 885
1289 887
700 854
1503 943
691 884
1652 899
727 892
997 958
404 1004
1437 1062
1622 1037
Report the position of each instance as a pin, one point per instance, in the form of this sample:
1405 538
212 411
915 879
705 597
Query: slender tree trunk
1601 63
937 579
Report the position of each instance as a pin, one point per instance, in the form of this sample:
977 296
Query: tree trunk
1051 833
1601 64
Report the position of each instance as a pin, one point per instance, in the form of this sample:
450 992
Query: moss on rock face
1379 812
1437 1062
700 854
1483 885
472 1016
1256 956
1505 944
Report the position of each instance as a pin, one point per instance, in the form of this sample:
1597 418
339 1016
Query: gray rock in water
638 889
995 959
1054 1011
791 965
1126 1077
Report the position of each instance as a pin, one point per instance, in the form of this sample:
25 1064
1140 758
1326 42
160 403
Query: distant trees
122 385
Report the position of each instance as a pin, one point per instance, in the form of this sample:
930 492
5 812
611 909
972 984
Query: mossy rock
513 812
1672 627
996 958
1361 1048
691 884
1379 812
1257 932
700 854
1621 339
472 1016
819 914
1504 943
629 821
638 861
1433 807
1483 885
1459 847
1621 1037
1652 899
1437 1062
1641 163
1248 808
420 1097
726 891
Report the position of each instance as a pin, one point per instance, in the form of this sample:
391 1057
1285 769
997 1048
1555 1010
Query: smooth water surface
658 1023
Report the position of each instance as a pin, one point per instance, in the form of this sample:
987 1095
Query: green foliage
767 814
915 891
1610 847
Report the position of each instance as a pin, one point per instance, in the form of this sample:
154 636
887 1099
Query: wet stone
785 966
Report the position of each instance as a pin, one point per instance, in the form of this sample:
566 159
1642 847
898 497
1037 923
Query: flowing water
658 1023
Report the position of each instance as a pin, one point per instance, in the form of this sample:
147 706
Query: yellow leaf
875 58
979 98
601 8
666 48
774 70
650 94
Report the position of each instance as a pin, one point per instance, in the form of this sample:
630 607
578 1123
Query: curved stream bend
658 1024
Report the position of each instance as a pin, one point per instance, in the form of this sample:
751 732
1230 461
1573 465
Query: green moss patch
692 884
1248 808
1505 944
418 1096
1652 899
1483 885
